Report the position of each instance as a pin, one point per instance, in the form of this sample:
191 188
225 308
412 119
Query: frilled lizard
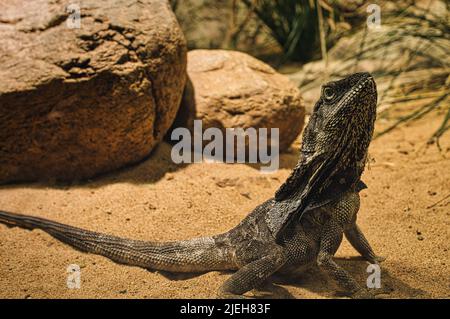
303 224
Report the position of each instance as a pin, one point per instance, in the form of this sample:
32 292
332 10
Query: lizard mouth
367 83
363 95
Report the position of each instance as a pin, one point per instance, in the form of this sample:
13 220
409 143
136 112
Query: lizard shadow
271 290
268 290
177 276
316 281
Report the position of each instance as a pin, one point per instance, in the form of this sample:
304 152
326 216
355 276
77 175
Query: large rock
76 102
229 89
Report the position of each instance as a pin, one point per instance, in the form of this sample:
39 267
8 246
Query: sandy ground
157 200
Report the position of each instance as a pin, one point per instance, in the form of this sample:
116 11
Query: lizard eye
328 93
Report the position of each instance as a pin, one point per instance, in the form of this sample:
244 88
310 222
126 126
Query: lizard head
334 149
343 117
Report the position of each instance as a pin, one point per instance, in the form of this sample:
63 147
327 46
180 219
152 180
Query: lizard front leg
360 243
253 274
332 234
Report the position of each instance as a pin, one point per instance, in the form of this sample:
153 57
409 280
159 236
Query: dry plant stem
438 202
323 44
415 115
441 130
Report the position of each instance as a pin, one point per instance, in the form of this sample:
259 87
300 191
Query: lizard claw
363 293
376 259
380 258
222 294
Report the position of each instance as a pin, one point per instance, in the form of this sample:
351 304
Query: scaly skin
303 224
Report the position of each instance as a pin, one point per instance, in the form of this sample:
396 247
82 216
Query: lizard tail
195 255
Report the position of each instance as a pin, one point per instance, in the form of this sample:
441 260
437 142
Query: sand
157 200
